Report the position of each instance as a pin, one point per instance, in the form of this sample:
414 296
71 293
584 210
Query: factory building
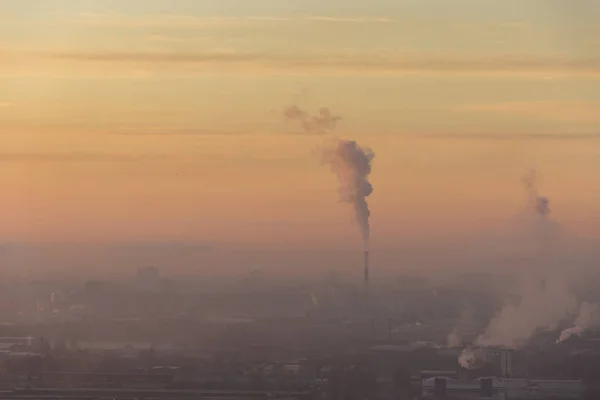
547 389
493 388
448 388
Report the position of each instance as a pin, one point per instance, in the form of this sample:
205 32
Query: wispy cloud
175 246
316 62
188 21
361 20
508 136
5 104
172 130
179 39
181 162
164 21
564 111
78 157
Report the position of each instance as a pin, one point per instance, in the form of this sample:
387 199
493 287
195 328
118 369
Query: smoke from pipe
318 124
352 166
350 162
543 303
541 308
589 316
314 299
472 358
539 204
460 332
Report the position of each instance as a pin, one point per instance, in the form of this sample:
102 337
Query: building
524 389
442 387
448 388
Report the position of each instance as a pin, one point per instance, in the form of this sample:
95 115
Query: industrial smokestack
350 162
506 363
366 266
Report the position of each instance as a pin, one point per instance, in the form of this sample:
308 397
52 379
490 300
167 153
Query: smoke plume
541 231
322 122
352 165
472 358
538 204
350 162
589 316
462 329
544 301
542 306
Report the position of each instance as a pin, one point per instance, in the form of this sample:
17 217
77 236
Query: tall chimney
506 363
366 266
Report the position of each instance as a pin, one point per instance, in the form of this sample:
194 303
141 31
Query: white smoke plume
454 338
589 317
472 358
314 299
352 165
459 333
545 299
542 306
318 124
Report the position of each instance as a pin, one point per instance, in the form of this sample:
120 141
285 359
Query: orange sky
129 122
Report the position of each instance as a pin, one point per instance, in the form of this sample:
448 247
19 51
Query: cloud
361 20
376 63
508 136
5 104
171 130
165 20
194 22
78 157
175 246
546 110
179 39
181 161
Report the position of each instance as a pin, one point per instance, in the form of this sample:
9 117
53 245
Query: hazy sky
161 119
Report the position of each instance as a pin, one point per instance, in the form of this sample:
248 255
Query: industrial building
501 389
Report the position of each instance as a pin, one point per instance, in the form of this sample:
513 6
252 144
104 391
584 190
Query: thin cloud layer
185 21
361 20
354 63
78 157
545 110
508 136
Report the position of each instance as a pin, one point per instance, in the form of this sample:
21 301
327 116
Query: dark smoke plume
539 204
350 162
318 124
352 165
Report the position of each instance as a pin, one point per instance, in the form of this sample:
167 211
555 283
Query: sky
161 120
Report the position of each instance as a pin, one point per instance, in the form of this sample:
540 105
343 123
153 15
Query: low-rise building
448 388
442 387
